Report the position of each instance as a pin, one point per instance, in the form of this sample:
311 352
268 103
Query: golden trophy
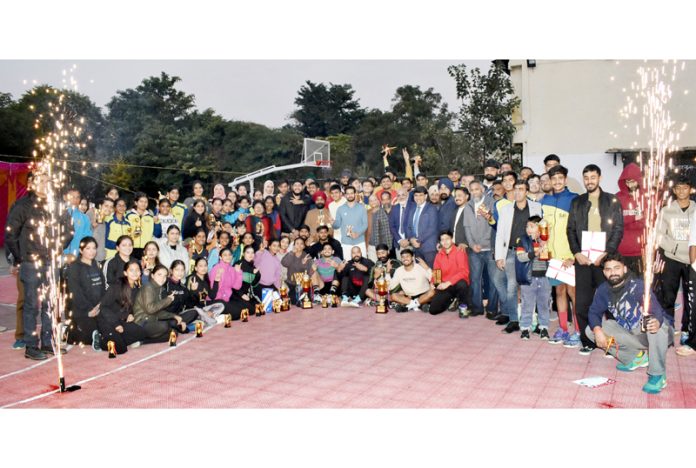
100 216
199 329
172 338
228 321
324 302
284 299
111 347
245 315
335 301
277 306
137 229
437 276
382 289
211 221
306 288
259 310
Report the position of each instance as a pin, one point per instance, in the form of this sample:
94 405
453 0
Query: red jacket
631 204
454 266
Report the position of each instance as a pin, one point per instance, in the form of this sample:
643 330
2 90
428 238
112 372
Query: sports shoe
475 313
49 350
655 384
463 311
400 308
544 334
559 337
412 305
502 320
537 330
355 302
585 351
136 344
511 327
345 302
19 344
369 302
573 341
453 306
492 315
641 360
316 300
683 338
525 335
96 340
34 353
425 308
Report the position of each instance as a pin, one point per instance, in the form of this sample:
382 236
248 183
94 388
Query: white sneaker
413 305
345 302
136 344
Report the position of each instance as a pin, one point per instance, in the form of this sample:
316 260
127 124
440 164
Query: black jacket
204 294
86 286
113 312
114 269
315 249
22 239
293 216
612 220
190 228
182 296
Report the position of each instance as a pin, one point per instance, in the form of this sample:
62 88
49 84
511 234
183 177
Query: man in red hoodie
453 264
633 206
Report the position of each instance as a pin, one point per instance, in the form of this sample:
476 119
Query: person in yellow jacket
116 226
179 210
142 224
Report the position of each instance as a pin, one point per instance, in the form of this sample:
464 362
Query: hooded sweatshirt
231 280
631 244
673 233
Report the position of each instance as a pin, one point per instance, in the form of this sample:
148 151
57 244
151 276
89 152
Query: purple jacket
231 279
269 267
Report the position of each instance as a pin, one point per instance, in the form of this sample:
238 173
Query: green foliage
485 117
324 111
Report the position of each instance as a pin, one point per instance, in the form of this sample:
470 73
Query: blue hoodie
625 304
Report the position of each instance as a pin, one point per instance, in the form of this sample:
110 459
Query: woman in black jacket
149 308
114 267
115 320
202 294
195 220
86 287
249 294
182 296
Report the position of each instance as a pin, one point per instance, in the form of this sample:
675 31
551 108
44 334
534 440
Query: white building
572 108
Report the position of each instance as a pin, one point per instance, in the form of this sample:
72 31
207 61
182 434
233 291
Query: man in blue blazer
422 228
398 218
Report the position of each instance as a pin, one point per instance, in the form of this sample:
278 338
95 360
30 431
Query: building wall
570 108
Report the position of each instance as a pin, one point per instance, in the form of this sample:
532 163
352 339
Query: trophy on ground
284 299
199 329
260 310
172 338
244 315
324 301
382 288
335 301
111 347
306 289
228 321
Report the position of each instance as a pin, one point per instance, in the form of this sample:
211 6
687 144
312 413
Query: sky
261 91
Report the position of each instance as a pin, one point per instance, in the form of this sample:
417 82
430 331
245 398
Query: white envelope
564 275
593 244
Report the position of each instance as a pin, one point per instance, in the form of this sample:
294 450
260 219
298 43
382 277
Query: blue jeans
478 263
33 280
536 295
511 281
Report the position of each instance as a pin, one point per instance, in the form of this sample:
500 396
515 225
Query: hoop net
316 153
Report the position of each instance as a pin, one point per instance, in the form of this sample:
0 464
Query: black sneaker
511 327
400 308
544 334
524 335
49 350
425 307
502 320
96 340
34 353
585 351
492 315
537 330
475 313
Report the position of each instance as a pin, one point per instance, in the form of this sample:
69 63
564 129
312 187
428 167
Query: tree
324 111
485 117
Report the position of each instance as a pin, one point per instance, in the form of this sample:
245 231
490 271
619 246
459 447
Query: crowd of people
518 248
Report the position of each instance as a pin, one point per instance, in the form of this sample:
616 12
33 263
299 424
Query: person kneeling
454 265
356 279
414 280
623 335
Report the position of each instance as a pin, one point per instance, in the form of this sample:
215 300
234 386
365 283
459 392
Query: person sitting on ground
297 261
86 286
201 297
182 296
414 280
223 280
171 248
248 295
621 332
453 264
535 288
384 266
325 279
150 307
356 279
323 238
115 321
113 268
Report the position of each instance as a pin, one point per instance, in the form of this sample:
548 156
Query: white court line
118 369
27 368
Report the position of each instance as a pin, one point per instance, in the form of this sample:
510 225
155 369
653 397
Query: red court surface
341 358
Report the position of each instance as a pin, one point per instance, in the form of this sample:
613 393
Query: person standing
318 216
117 226
397 221
594 211
337 200
23 240
673 242
421 227
512 225
351 220
142 224
381 231
293 209
630 195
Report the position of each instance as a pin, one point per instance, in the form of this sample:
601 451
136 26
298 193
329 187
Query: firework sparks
652 94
